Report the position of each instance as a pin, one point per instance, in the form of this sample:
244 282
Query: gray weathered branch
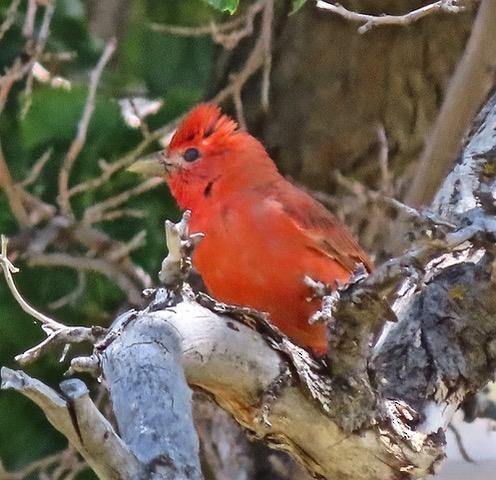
75 416
150 398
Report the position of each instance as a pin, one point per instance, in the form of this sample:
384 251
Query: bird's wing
323 230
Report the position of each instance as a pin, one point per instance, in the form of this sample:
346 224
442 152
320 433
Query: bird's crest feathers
205 120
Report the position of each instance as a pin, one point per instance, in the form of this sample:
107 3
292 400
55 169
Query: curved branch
370 21
76 417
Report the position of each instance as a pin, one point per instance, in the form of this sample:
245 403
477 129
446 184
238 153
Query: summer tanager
263 235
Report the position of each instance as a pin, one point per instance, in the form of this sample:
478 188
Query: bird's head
208 150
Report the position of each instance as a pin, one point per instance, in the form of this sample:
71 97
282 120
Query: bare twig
56 332
10 17
38 48
36 169
67 462
76 416
13 197
459 443
13 74
266 38
124 212
370 21
78 142
386 177
109 169
48 324
471 83
38 209
63 336
19 69
72 296
238 106
100 265
258 57
228 34
136 242
366 195
28 27
96 212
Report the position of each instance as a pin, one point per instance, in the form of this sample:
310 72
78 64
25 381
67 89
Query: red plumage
262 234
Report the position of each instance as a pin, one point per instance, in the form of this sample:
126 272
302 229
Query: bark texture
331 87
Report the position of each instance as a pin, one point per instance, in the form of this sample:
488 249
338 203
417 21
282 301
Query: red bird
263 235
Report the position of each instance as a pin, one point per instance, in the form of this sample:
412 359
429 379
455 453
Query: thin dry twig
109 169
124 212
36 50
459 442
99 265
386 177
96 212
72 296
370 21
78 142
367 195
29 19
47 323
10 17
12 193
19 69
257 58
238 106
36 169
266 38
136 242
473 79
227 34
57 333
67 462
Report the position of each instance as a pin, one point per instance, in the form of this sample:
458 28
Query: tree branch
371 21
150 397
78 142
75 416
10 190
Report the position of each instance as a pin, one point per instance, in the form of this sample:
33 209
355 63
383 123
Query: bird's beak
152 165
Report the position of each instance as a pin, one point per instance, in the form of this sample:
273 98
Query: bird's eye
191 154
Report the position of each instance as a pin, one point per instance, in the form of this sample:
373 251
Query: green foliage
224 5
296 5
